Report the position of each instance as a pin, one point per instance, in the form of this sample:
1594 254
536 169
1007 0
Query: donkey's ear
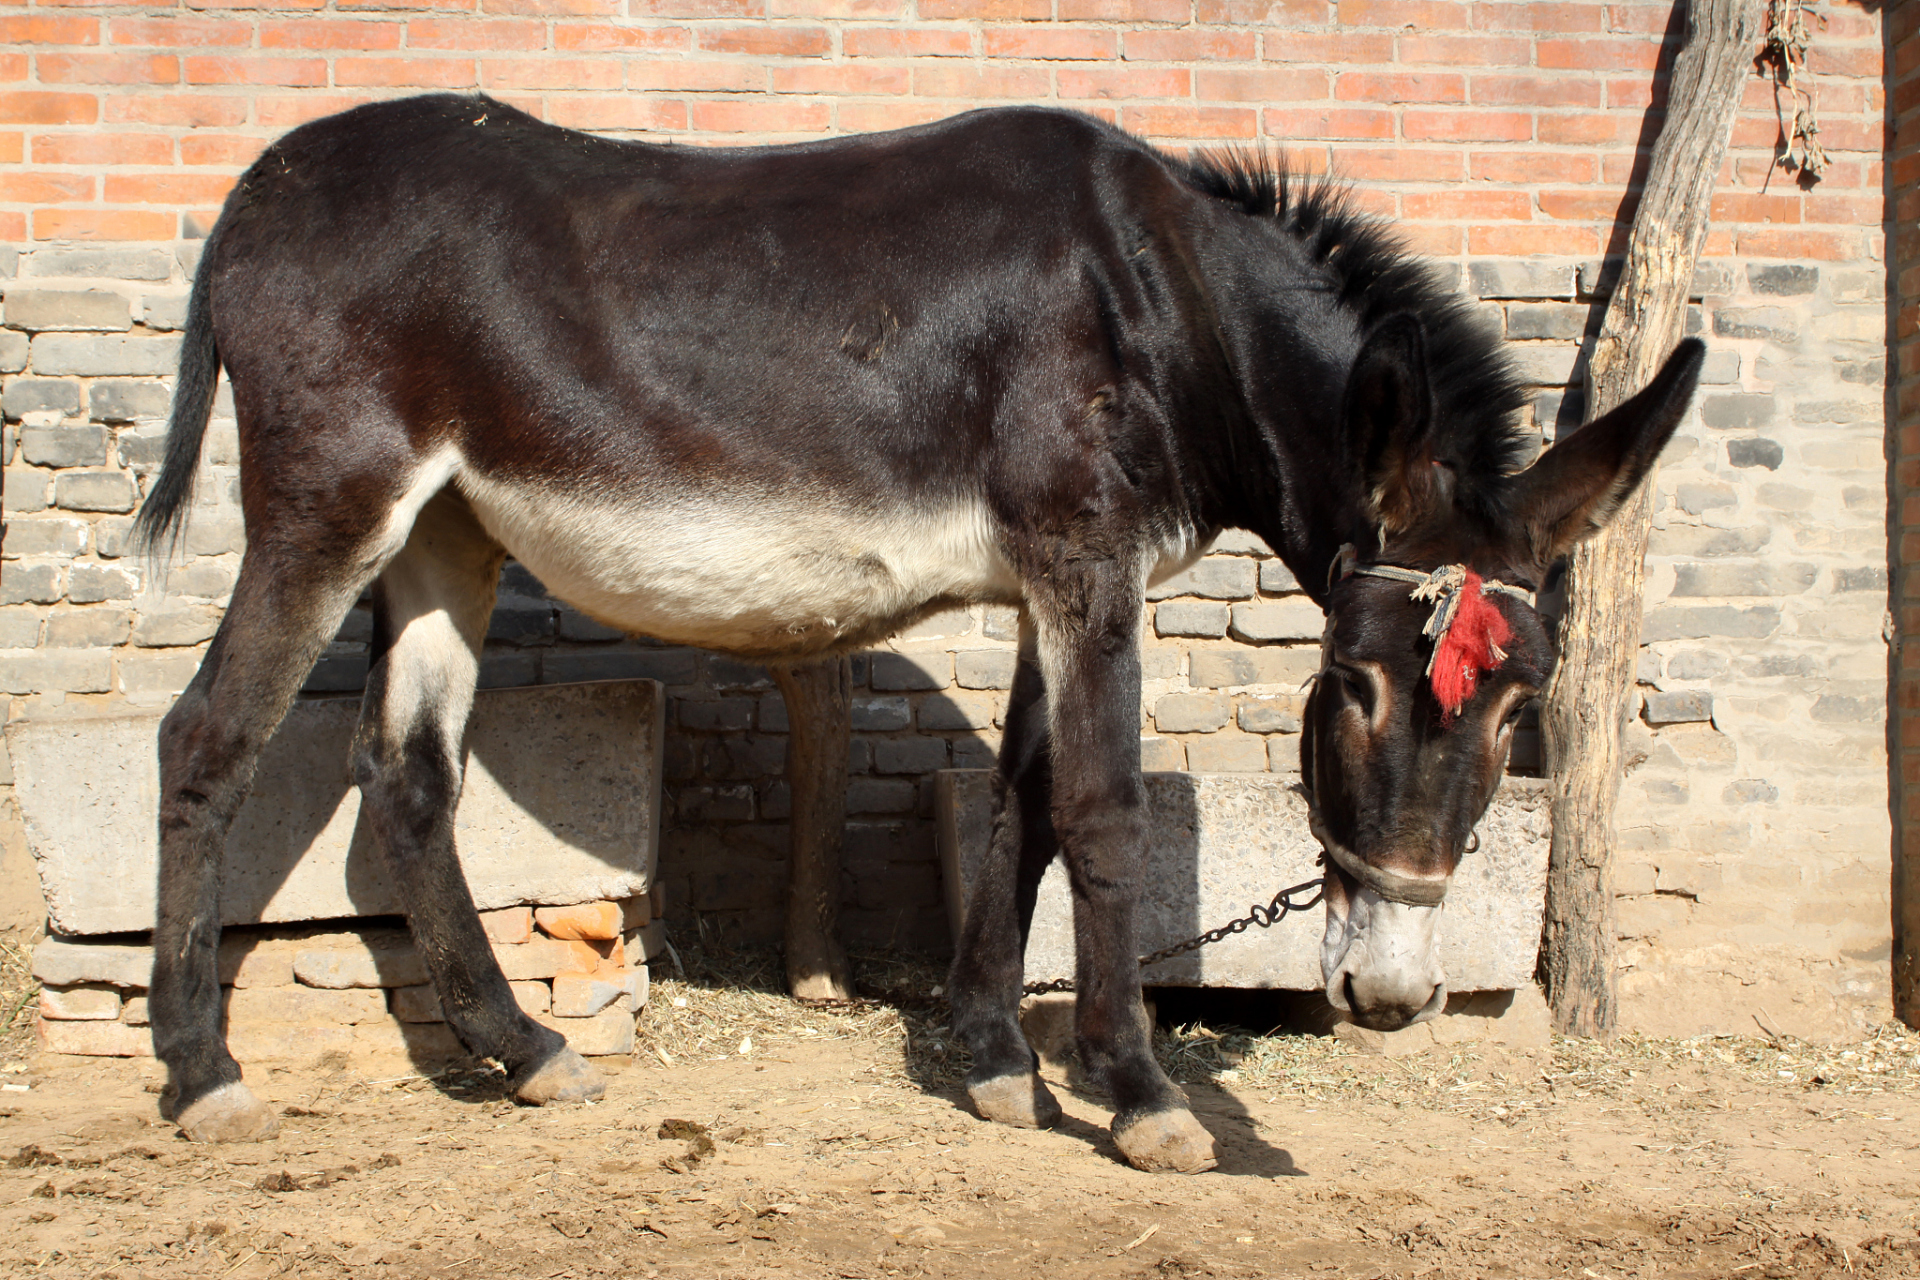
1576 486
1389 422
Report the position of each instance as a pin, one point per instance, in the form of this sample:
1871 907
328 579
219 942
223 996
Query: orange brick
1828 246
1421 15
1477 50
1264 85
508 924
698 8
177 189
945 80
1741 206
696 76
1367 86
93 1039
836 8
1122 83
330 34
597 921
1265 13
1588 206
1532 166
1587 129
1345 48
46 188
1190 45
103 224
987 10
13 226
1467 126
220 149
766 42
763 115
1824 58
108 68
102 148
554 8
179 33
1533 239
285 111
1598 55
1430 240
283 73
853 78
1821 205
13 148
1125 10
1191 122
907 42
419 73
581 36
550 73
1052 43
1328 122
1556 18
1401 164
40 28
1453 206
619 111
187 110
872 117
13 68
1533 91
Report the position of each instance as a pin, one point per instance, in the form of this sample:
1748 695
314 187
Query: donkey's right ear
1389 423
1574 488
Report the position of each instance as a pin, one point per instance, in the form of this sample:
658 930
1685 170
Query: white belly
764 576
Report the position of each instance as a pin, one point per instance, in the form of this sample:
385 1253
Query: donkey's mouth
1379 958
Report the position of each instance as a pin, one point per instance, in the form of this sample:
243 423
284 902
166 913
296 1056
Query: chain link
1282 906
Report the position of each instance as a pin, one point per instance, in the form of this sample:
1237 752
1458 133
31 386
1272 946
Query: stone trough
558 832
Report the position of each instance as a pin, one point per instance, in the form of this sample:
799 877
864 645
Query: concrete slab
561 805
1221 843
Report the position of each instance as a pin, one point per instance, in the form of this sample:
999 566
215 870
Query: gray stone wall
1753 880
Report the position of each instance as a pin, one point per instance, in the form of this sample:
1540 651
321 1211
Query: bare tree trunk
819 698
1582 717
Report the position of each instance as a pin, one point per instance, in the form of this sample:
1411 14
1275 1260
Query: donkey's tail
163 517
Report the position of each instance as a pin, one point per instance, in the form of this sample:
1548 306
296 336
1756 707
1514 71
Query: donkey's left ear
1574 488
1389 422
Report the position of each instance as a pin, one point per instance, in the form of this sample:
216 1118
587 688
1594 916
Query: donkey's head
1433 648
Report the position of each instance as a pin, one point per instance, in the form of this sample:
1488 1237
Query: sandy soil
831 1144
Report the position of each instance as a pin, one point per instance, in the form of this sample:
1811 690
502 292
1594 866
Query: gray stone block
1276 578
1755 453
105 264
164 311
909 755
1271 715
1238 542
560 805
668 666
1219 842
1231 668
46 537
14 348
881 715
168 628
1227 753
1191 713
1566 320
40 395
104 355
1221 578
55 671
56 446
955 711
94 491
985 668
92 583
911 671
1204 618
1737 411
1676 623
1545 363
1296 618
30 583
1743 578
1509 279
39 309
121 400
1783 280
97 628
1775 324
1689 706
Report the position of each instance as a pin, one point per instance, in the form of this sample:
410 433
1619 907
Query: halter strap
1443 586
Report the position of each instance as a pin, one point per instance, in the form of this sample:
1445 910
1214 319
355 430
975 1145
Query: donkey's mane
1476 391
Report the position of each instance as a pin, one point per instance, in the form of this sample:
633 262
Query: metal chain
1282 906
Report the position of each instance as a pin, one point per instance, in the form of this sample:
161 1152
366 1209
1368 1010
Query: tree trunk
1581 720
819 698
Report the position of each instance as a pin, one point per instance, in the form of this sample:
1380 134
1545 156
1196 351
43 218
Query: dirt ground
750 1138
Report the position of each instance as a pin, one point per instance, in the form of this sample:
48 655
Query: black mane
1477 392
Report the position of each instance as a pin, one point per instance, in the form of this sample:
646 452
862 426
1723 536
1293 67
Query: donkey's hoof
229 1114
565 1077
1166 1142
819 985
1019 1100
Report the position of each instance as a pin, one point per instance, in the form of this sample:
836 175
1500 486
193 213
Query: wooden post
1581 719
819 697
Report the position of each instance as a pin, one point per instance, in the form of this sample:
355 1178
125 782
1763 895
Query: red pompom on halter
1466 628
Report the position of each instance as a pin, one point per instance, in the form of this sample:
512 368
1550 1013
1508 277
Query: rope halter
1466 629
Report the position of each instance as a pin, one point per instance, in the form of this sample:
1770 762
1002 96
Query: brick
585 921
107 355
289 1041
117 264
1292 619
59 963
13 351
906 42
985 668
80 1004
881 795
1276 578
1270 715
909 755
1230 668
44 537
511 925
76 446
39 309
724 715
1191 713
1680 707
1162 754
1191 618
305 1004
879 715
134 1011
29 107
1227 753
603 1035
101 627
93 1039
648 941
1683 623
119 400
20 627
545 957
244 962
418 1004
635 912
583 995
56 671
386 963
954 711
95 491
1214 578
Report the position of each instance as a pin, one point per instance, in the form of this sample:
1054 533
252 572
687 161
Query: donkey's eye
1356 686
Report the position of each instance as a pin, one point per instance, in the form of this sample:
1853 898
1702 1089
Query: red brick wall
1490 128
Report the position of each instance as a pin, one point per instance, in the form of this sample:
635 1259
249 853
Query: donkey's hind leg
286 606
988 964
431 607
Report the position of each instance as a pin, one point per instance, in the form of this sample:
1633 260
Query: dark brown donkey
784 401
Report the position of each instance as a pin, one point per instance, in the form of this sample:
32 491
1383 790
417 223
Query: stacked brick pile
293 994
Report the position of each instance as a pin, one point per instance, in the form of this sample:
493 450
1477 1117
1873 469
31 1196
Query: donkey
782 402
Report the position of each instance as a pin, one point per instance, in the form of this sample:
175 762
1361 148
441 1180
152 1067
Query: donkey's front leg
819 698
1090 652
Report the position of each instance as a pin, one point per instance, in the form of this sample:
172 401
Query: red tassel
1472 645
